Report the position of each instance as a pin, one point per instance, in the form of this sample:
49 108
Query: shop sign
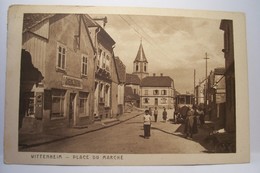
72 82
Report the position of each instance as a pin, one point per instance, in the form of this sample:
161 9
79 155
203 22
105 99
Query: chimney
161 74
154 74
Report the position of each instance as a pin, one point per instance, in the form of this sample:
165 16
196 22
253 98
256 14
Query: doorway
72 109
156 101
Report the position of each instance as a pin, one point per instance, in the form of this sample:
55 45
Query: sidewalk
31 140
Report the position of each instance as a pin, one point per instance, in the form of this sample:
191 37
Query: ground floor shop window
58 100
83 104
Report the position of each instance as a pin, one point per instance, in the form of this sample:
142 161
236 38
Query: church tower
140 63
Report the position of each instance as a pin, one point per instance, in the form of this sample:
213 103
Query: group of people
148 120
194 117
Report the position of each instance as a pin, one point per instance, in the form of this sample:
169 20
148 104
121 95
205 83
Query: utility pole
194 81
206 80
194 85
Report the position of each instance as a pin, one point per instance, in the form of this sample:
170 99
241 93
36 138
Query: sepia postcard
125 86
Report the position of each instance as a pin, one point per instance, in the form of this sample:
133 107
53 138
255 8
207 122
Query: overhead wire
144 34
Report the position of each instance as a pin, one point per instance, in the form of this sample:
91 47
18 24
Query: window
58 97
99 59
163 100
164 92
135 92
103 60
188 100
29 101
182 100
155 92
136 68
107 96
146 100
101 93
146 92
107 63
61 57
84 67
83 104
144 67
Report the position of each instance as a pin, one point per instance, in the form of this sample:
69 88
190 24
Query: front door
156 101
72 109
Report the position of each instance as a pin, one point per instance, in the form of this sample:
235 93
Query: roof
120 68
102 34
157 81
132 79
140 57
219 71
30 20
129 95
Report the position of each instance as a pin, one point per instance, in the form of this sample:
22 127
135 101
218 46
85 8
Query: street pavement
30 140
123 136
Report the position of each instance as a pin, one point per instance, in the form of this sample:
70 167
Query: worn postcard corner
125 86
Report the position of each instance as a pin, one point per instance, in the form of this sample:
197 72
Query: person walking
147 124
164 114
155 114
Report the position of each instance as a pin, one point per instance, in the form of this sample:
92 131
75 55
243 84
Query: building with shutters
148 91
106 76
57 73
157 91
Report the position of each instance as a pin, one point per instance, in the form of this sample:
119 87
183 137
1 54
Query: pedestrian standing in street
150 111
164 114
190 123
147 124
201 116
155 114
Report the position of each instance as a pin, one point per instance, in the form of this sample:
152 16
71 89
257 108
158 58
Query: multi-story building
230 119
217 94
157 91
132 88
199 94
57 72
106 77
121 73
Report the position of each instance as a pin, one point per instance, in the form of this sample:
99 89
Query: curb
25 146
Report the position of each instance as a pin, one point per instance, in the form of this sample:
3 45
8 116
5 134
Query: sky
174 46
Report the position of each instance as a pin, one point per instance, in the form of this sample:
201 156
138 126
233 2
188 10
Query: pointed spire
140 57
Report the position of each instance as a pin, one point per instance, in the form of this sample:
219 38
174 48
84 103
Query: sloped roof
30 20
219 71
129 94
140 57
102 34
120 68
132 79
156 81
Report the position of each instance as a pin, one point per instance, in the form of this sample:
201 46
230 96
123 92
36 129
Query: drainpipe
95 68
